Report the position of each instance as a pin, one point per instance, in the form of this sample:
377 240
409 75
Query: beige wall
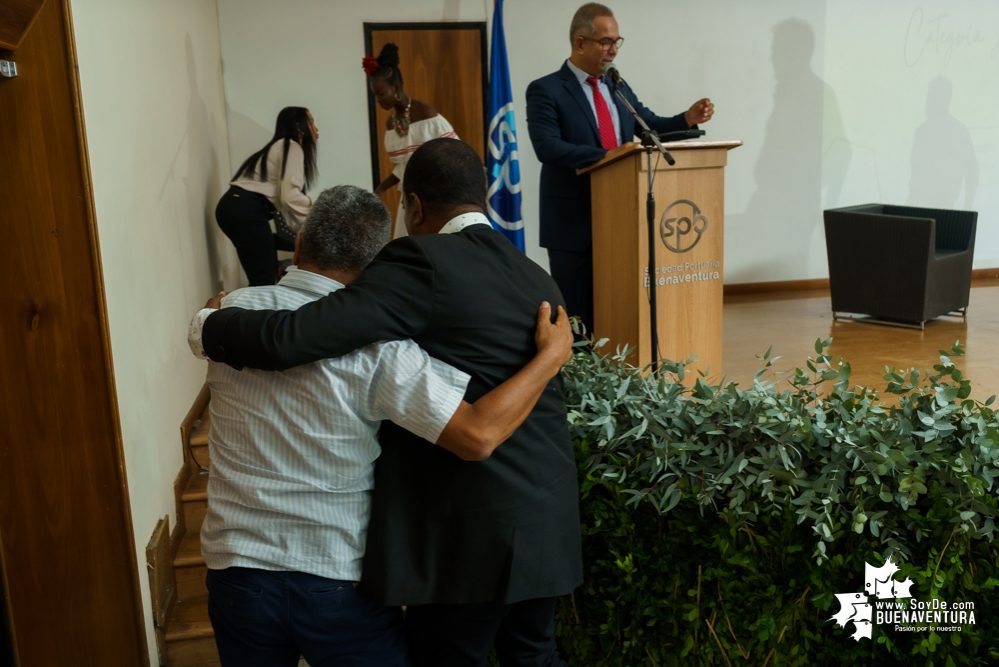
154 106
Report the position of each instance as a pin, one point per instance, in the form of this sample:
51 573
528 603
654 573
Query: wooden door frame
105 327
7 650
111 445
373 129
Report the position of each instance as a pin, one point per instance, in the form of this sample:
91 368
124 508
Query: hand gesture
699 112
216 301
554 340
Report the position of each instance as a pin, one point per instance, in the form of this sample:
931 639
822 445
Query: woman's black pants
245 218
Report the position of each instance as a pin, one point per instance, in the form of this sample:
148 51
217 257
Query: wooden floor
791 322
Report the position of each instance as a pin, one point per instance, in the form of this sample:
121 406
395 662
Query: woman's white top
401 148
286 194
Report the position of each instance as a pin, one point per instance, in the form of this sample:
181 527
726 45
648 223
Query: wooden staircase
190 641
187 638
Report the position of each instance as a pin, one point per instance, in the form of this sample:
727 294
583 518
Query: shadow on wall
199 188
198 152
802 164
246 136
224 269
943 155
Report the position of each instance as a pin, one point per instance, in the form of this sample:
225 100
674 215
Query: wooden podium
690 234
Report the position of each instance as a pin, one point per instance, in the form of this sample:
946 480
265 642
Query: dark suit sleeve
546 136
392 300
658 123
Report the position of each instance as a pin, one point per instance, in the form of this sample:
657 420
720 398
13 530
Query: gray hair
346 228
582 20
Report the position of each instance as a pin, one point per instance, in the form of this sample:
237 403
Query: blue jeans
267 618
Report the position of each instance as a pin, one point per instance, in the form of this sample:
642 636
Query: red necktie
608 137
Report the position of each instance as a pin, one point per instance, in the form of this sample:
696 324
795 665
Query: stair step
191 580
194 515
195 501
200 435
189 554
199 442
199 652
201 457
189 567
197 488
190 620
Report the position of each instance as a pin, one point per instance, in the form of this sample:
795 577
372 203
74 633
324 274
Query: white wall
892 72
154 106
827 97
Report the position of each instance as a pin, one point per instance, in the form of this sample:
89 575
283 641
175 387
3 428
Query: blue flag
503 199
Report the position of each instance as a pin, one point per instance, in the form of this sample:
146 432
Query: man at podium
574 120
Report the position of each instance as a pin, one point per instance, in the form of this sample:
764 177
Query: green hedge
719 521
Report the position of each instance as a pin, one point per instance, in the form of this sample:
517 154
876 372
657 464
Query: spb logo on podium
682 225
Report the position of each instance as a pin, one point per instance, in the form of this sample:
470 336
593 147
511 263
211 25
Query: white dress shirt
608 98
458 223
293 452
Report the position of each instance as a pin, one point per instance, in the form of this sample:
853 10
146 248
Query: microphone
613 74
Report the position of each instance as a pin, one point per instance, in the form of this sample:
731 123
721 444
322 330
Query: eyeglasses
606 43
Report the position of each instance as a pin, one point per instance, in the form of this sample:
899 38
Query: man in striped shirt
293 457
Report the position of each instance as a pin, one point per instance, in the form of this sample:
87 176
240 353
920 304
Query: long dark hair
292 125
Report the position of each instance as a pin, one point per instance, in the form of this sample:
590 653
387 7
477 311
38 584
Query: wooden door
66 544
443 64
6 653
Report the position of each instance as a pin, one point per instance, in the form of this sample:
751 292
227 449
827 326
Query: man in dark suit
574 120
478 550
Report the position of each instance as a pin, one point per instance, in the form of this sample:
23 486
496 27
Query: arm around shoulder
477 429
392 300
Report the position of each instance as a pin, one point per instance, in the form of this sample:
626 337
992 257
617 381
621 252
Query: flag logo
502 164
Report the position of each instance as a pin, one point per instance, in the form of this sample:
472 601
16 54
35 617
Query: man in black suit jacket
478 550
564 120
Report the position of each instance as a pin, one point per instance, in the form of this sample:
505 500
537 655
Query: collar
310 282
580 74
462 221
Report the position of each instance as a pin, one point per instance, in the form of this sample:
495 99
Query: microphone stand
650 139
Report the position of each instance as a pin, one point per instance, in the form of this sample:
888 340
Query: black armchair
899 265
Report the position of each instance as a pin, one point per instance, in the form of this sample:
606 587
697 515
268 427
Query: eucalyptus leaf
675 477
